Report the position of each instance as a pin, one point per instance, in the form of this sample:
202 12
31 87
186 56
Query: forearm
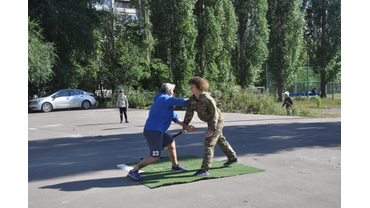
184 125
187 119
180 122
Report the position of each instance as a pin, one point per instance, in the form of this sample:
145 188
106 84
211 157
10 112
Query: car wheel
47 107
85 105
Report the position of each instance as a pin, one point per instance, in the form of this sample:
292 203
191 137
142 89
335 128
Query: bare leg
144 162
172 153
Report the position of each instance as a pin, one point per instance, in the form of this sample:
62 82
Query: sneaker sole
230 163
179 170
132 177
203 174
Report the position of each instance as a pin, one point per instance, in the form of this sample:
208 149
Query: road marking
53 125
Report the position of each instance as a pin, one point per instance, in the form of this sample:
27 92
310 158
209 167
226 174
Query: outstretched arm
188 116
186 127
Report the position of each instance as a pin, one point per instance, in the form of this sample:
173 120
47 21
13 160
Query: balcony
126 10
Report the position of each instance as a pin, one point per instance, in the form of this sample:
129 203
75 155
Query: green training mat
160 174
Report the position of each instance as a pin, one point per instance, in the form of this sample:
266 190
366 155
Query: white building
121 6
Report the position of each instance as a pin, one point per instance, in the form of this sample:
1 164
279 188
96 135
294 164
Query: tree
70 25
322 35
216 25
253 33
41 59
174 33
286 35
122 55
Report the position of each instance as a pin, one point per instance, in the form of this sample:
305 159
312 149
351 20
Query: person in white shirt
122 105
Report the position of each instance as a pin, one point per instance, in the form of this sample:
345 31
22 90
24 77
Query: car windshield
49 93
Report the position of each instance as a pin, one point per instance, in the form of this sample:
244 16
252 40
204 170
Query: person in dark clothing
314 92
288 102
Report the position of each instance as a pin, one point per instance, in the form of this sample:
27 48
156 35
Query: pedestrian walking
288 102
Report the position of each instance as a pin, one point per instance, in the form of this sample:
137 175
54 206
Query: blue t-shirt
161 113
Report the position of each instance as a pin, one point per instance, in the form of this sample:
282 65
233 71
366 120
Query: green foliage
229 98
318 102
286 35
41 58
137 98
159 73
234 99
251 48
226 41
300 98
323 38
70 25
216 26
175 34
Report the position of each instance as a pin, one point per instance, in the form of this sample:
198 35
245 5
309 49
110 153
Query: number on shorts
155 153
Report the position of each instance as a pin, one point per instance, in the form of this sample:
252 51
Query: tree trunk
241 57
323 83
199 7
280 91
100 86
172 46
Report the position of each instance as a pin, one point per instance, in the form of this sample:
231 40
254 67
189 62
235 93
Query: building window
107 2
122 4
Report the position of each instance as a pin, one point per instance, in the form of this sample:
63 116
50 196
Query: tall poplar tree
174 32
253 34
216 25
323 38
286 23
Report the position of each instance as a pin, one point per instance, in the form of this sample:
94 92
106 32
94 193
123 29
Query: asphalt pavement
73 154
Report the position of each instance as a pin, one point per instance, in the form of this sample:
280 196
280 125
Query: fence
304 85
333 89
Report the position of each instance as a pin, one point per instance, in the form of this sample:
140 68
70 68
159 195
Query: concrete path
72 158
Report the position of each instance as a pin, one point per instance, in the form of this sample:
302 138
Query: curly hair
199 83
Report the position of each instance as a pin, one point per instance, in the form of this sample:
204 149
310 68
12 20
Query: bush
136 98
234 99
300 98
229 98
318 102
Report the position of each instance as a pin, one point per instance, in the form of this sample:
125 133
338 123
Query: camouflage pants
210 143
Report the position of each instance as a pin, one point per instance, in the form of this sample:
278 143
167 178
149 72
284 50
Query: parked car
66 98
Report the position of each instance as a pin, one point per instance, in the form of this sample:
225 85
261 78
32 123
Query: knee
153 159
171 146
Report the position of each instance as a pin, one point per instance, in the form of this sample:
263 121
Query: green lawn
311 105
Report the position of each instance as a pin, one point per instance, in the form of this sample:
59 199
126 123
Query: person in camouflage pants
207 111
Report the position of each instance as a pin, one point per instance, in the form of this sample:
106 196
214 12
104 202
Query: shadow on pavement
62 157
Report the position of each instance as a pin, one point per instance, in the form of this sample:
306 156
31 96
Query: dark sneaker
201 173
231 162
127 122
134 175
178 168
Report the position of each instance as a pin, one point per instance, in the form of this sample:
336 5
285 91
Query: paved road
72 158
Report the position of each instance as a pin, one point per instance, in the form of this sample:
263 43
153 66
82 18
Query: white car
66 98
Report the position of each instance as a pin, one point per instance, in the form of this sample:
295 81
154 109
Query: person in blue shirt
160 116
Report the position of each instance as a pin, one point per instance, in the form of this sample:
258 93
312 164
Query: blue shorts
157 141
